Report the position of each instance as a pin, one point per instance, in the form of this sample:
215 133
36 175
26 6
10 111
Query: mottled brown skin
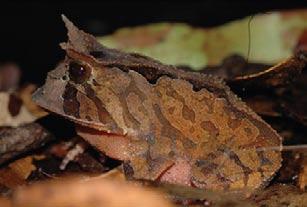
165 124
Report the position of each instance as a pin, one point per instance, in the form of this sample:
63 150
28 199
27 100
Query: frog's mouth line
113 145
91 130
89 125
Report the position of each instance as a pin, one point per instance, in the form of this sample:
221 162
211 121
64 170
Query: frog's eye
78 73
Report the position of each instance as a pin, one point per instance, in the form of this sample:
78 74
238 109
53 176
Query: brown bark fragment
15 141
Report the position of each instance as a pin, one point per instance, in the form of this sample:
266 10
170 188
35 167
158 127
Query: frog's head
70 89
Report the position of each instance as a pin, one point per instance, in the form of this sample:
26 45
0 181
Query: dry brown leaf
281 195
25 95
13 113
23 167
16 173
10 179
275 76
18 140
98 193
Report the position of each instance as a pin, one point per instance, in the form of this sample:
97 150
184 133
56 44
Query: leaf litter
276 92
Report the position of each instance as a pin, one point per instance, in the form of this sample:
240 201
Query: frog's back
218 140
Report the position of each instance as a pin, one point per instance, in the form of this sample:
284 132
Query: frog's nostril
65 78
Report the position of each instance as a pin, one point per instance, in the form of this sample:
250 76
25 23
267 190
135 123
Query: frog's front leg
163 170
138 164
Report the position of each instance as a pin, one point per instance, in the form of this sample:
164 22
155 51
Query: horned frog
165 124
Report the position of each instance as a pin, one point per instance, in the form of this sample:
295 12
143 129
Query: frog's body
164 123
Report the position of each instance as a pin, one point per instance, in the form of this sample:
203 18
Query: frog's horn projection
87 44
79 40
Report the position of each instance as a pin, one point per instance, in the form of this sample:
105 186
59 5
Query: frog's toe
142 168
179 173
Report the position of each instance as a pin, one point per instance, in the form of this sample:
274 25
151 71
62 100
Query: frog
166 125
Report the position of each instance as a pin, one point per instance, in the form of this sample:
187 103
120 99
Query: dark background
31 31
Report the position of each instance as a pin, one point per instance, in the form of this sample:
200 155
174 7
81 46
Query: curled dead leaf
278 75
